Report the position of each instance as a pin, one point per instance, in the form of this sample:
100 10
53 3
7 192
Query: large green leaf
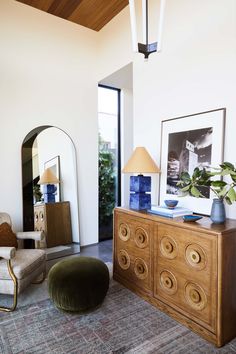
185 176
227 172
227 165
228 201
186 188
196 173
195 192
231 194
219 184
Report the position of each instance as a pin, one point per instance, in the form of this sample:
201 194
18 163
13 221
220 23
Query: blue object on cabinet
49 193
139 199
190 218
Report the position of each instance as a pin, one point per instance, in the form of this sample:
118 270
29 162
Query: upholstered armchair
20 267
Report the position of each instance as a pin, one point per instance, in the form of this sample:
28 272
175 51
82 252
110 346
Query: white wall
114 41
126 140
195 71
47 71
54 142
123 79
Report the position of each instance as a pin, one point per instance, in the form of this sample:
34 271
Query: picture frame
54 165
187 142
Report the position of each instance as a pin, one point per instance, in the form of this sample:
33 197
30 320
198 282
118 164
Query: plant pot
218 211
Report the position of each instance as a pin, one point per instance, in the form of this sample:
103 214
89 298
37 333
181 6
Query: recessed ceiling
93 14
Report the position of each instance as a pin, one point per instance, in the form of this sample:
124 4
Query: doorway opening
109 158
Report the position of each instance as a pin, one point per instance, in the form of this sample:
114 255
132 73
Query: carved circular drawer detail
124 232
36 217
195 296
141 237
195 256
41 216
168 282
140 268
168 247
123 259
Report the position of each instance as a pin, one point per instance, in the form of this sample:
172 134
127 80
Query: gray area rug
123 324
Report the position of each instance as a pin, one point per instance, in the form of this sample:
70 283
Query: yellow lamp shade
141 162
48 177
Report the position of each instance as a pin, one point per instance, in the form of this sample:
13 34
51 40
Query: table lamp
48 180
140 162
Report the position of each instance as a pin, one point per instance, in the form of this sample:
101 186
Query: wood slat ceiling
93 14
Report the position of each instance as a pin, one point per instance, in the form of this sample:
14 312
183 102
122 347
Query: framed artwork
196 140
54 165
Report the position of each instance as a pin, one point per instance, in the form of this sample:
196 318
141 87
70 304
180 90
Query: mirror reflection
49 149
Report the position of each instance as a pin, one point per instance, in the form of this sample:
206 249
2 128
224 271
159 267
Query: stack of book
169 213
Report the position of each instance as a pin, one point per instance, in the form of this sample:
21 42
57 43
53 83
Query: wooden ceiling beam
94 14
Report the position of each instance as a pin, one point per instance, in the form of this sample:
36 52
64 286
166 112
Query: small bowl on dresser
171 203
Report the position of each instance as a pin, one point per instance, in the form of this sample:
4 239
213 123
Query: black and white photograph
186 151
187 142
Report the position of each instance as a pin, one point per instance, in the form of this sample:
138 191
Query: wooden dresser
54 219
187 270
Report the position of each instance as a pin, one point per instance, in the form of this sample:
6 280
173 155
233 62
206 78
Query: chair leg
10 270
40 280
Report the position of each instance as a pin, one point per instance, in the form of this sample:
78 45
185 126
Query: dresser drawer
54 219
133 249
39 218
185 272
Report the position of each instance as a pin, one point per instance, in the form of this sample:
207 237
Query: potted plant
37 193
201 180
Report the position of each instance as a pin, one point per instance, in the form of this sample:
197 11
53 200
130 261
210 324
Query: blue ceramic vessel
171 203
192 217
218 211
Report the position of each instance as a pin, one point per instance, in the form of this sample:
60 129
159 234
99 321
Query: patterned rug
123 324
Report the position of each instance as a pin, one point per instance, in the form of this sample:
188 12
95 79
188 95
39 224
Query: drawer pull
124 232
123 260
195 256
168 247
141 237
195 296
140 269
168 282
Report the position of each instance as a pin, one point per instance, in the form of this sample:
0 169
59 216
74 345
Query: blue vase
218 211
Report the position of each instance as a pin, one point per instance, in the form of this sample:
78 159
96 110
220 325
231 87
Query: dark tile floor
101 250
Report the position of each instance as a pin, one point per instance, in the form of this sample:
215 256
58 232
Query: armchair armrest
30 235
7 252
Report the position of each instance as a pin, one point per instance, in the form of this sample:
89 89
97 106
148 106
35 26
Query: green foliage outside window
107 184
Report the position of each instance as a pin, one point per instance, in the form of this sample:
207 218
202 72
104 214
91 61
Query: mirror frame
27 170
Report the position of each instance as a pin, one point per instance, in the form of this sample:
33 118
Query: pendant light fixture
146 48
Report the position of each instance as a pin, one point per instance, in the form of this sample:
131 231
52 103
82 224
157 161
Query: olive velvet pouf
78 284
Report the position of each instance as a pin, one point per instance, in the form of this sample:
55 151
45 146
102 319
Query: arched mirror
50 147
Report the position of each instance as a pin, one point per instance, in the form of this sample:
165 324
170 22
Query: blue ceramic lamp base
49 193
139 199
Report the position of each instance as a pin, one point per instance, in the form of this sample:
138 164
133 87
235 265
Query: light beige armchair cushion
27 264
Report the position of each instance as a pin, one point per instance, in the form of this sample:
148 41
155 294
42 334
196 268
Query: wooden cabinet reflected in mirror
41 145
